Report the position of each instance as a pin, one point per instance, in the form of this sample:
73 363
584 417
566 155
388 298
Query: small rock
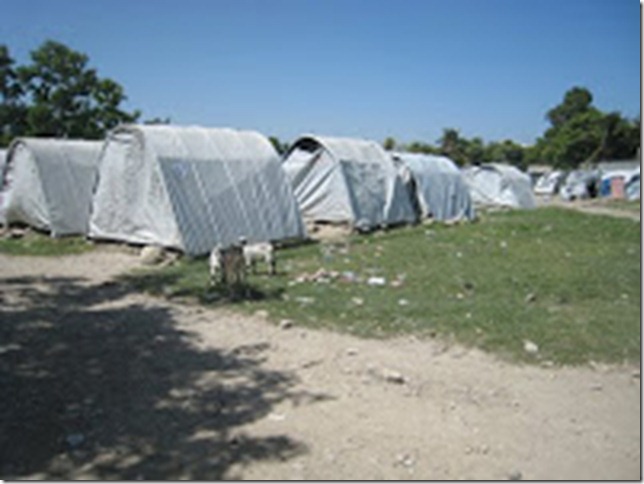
261 313
636 375
151 255
286 324
597 387
515 476
351 351
531 297
405 460
530 347
391 376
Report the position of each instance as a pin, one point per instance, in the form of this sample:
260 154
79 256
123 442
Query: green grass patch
38 244
567 281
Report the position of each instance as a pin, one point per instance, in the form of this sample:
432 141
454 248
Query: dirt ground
102 383
599 206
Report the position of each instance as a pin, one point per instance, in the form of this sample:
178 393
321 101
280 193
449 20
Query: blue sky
366 68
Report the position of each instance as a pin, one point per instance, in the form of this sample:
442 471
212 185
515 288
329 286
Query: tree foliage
57 94
578 132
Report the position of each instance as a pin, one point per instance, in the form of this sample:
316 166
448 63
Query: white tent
496 184
347 180
549 183
633 185
48 184
3 161
437 185
190 188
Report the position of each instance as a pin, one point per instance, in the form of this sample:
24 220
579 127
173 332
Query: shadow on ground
96 387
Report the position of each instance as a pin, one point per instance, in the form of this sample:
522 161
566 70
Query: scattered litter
460 295
376 281
399 280
286 324
261 313
403 302
305 300
348 276
351 351
358 301
530 347
531 297
503 244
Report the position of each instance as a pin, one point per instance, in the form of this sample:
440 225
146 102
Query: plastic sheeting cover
440 188
347 180
191 188
499 184
48 184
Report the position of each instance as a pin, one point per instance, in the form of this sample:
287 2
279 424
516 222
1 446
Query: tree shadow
97 387
168 285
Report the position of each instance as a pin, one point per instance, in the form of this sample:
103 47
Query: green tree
280 147
474 150
580 132
576 101
12 109
453 146
420 147
389 143
57 94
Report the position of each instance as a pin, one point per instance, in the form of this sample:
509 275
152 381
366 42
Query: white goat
215 263
257 252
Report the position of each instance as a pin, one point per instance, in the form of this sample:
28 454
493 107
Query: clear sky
366 68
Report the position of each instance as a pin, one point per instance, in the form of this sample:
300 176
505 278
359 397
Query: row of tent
607 182
190 188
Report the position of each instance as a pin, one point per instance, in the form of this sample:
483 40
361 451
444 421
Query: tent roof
349 149
421 161
54 150
200 143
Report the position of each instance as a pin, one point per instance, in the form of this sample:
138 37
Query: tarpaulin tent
437 185
633 186
580 184
613 182
3 161
190 188
549 183
499 184
47 183
347 180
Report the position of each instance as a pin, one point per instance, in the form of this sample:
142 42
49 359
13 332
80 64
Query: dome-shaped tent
437 184
47 183
191 188
3 161
499 184
347 180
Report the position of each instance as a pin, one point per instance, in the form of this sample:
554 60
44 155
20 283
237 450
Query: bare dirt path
598 206
102 383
